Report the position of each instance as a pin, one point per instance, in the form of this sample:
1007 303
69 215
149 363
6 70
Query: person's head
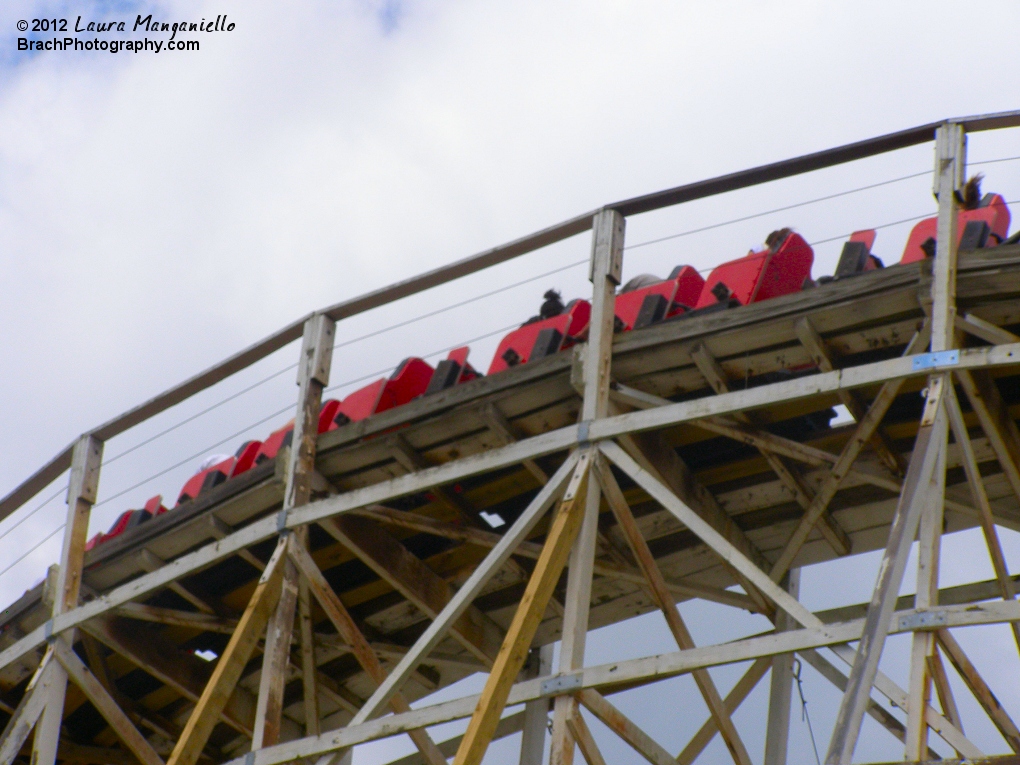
553 305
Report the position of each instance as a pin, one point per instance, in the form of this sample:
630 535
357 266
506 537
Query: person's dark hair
774 240
972 192
553 305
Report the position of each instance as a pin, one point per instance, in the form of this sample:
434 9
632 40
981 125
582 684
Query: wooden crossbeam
350 634
514 650
177 618
407 574
937 671
787 474
661 597
996 421
734 699
585 741
977 685
231 663
823 358
532 550
26 714
977 489
516 534
501 426
625 728
101 699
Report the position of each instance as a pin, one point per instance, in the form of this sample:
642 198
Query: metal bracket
281 521
932 360
560 684
922 620
48 631
249 758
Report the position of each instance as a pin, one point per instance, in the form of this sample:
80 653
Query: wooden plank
406 573
823 358
513 652
26 714
623 727
276 660
350 634
498 423
508 726
977 489
309 689
471 588
927 455
660 595
536 713
175 617
996 421
734 699
984 695
230 663
100 698
585 741
777 730
937 670
950 174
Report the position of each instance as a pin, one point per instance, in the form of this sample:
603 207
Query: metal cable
803 709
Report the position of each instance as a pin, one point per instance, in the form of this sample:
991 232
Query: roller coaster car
856 257
409 381
205 480
983 226
779 269
542 338
453 370
246 457
278 439
671 297
126 520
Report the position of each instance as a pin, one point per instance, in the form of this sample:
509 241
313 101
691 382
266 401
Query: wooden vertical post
605 272
950 171
536 713
931 441
777 732
81 495
313 376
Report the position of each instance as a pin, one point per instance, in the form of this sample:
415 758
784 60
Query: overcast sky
159 211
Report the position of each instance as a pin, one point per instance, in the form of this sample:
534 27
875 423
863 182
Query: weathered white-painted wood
26 714
469 591
950 172
536 713
100 698
927 456
777 729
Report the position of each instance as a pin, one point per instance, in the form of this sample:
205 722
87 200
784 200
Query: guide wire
803 707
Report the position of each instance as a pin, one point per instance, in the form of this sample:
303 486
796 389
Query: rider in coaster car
553 306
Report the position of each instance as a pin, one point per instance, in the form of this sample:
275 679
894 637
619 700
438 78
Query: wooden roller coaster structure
350 575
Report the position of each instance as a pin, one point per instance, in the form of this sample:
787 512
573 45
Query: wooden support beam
101 699
276 660
516 534
82 489
927 593
947 701
927 456
409 576
513 652
27 713
309 674
585 741
536 713
787 474
823 358
623 727
314 366
231 663
151 562
350 634
777 731
221 530
508 726
412 462
501 426
977 489
728 552
950 175
77 754
661 597
532 550
985 330
734 699
996 421
180 670
984 695
175 617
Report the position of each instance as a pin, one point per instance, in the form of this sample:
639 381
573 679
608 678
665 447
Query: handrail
474 263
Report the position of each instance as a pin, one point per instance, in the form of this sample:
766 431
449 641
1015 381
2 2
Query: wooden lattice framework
351 575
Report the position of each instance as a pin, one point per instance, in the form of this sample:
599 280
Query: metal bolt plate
932 360
924 620
560 684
